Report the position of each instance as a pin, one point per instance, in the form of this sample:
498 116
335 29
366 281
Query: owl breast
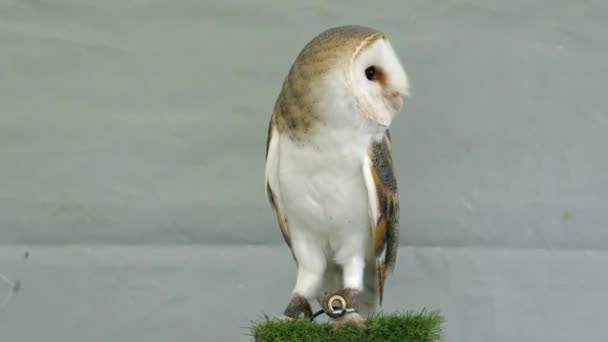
324 193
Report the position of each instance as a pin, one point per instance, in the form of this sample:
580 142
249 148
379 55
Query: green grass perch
409 327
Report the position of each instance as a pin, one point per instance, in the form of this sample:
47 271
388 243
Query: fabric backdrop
132 138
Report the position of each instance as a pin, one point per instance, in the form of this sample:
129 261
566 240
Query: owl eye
370 72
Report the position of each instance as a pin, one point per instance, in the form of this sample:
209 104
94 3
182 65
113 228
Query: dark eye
370 72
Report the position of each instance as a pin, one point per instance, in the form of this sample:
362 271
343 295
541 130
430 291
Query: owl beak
395 101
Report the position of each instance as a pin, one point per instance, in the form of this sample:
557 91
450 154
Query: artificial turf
404 327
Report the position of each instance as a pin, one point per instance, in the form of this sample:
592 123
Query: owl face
347 77
378 82
366 89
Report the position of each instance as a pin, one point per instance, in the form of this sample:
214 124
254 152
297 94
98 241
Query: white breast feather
371 191
272 167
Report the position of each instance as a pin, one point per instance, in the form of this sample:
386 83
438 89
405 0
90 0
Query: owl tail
369 298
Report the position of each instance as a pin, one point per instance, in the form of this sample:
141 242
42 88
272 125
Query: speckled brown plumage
386 232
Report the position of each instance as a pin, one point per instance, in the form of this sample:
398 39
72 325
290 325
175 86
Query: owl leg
297 307
311 268
353 273
343 305
307 284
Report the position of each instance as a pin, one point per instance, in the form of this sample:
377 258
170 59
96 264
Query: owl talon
352 319
298 307
342 306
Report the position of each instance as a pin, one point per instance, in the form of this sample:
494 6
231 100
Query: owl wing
384 207
273 193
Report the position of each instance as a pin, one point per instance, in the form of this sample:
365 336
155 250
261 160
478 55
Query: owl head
348 76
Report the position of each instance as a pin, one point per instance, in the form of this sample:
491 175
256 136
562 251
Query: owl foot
341 305
298 307
352 319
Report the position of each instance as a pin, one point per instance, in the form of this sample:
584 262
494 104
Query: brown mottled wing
386 230
272 163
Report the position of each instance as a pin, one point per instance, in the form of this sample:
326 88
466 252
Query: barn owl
329 171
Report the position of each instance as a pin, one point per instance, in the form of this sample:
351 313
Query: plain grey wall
132 155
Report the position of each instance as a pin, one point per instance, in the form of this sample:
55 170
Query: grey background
132 155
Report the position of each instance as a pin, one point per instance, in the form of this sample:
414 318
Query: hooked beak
394 100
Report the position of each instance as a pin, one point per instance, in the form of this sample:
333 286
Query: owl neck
293 117
299 118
